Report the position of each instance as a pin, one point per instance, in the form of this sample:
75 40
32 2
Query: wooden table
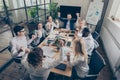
68 70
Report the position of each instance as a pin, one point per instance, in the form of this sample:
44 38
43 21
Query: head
40 26
79 47
69 16
31 35
85 32
82 23
19 30
49 18
35 57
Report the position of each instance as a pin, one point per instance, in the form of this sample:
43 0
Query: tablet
61 66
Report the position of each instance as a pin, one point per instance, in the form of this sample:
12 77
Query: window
117 16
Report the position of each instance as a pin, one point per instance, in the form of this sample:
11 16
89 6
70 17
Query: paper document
47 51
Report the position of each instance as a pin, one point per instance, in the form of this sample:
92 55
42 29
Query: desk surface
68 70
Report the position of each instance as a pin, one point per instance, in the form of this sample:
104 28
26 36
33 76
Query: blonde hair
79 48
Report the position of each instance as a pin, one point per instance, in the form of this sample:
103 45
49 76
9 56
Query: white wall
110 34
83 3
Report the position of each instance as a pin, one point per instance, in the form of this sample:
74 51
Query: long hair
79 48
35 57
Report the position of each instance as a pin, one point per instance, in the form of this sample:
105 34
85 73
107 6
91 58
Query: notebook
61 66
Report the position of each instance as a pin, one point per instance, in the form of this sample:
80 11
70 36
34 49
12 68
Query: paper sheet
47 51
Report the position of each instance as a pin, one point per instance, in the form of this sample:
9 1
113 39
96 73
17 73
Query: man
89 41
68 23
19 43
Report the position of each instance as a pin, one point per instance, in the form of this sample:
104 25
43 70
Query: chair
16 59
95 35
96 65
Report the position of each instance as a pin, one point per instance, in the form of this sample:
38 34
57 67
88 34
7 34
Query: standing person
80 60
68 23
19 43
39 66
50 25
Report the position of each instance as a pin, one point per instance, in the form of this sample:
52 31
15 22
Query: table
64 34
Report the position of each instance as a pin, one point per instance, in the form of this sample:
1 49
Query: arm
14 51
77 60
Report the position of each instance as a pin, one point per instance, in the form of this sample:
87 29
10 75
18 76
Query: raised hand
59 14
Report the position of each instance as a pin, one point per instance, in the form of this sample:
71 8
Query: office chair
95 66
95 35
17 60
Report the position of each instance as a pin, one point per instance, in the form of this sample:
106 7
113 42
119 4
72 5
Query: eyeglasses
22 31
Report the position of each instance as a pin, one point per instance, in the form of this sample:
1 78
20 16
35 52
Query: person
34 40
19 43
68 23
79 60
89 41
79 27
39 66
50 25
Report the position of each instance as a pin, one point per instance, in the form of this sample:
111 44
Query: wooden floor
12 72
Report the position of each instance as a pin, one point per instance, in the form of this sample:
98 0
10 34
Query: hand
59 14
77 14
39 33
33 37
61 43
56 21
27 50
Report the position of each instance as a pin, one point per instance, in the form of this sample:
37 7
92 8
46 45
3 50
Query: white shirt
52 24
44 70
89 42
68 25
16 44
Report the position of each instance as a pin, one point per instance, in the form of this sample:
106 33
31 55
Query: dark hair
48 17
30 35
85 32
35 57
18 29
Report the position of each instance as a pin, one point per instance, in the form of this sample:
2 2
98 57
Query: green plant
32 12
53 9
57 42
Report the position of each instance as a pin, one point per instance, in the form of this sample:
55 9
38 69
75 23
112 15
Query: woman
79 63
38 66
79 27
50 25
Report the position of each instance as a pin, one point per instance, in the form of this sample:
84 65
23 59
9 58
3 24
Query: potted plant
32 24
57 42
53 9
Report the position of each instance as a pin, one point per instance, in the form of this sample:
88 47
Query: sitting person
41 30
68 23
50 25
89 41
80 26
19 43
39 66
79 62
34 40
